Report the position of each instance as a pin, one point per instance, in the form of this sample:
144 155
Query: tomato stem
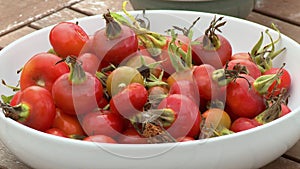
19 112
211 41
113 28
77 74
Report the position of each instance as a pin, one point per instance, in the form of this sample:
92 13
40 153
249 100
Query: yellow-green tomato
121 77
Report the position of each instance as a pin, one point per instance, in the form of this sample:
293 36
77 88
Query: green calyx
113 28
19 112
263 56
77 74
210 40
264 82
154 42
224 76
180 59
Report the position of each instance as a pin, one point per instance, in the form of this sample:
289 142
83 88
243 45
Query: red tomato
251 67
217 57
77 98
130 100
207 87
56 132
67 39
187 116
100 139
187 88
103 123
131 136
35 108
243 123
68 124
42 70
284 81
15 99
242 99
115 42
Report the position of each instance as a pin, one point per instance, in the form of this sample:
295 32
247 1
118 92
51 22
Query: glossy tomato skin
100 139
70 125
67 39
242 100
42 70
115 50
242 124
251 67
284 110
187 116
76 99
103 122
217 58
207 87
285 81
187 88
41 108
130 100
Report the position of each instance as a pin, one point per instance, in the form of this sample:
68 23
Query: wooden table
23 17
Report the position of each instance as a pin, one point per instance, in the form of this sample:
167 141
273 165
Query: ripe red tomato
35 108
242 99
213 48
77 97
67 39
103 122
207 87
243 123
115 42
187 88
184 139
187 118
42 70
217 57
251 67
100 139
130 100
56 132
68 124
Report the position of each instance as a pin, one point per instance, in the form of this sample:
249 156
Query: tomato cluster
127 84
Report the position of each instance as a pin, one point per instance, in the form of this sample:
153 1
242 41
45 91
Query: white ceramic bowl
249 149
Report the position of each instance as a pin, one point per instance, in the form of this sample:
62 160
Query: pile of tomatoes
127 84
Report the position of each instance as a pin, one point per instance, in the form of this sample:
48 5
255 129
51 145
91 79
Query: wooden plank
8 160
62 15
294 152
287 10
282 163
19 12
286 28
94 7
12 36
